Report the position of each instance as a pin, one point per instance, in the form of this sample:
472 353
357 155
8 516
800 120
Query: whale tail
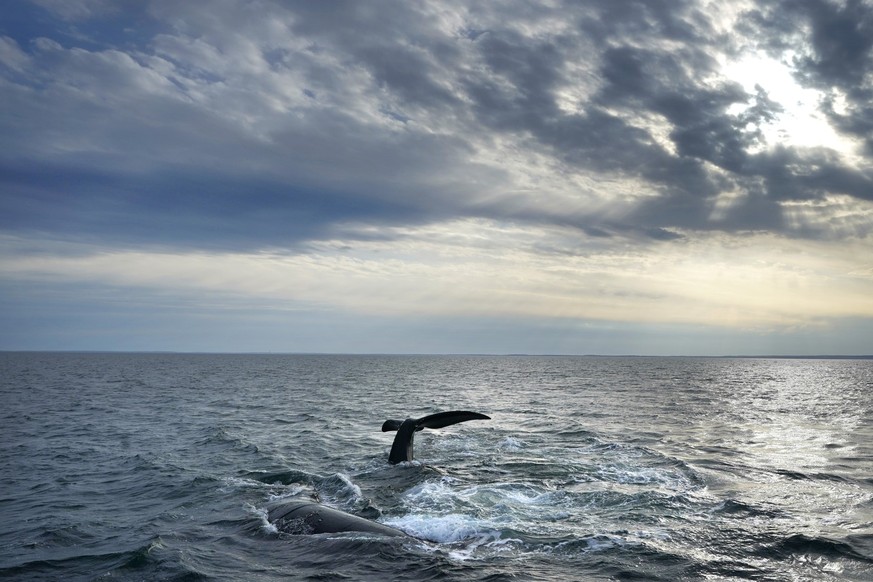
401 449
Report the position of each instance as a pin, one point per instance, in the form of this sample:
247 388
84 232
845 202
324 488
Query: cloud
333 136
293 113
477 268
76 10
830 45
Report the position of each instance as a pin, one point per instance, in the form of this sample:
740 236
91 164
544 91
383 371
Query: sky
658 177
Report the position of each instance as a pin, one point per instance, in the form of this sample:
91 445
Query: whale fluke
401 449
390 425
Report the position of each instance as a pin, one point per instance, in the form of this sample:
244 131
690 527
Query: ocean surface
160 466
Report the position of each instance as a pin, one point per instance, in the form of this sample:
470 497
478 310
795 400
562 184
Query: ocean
161 466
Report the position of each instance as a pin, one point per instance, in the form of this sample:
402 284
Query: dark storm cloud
519 96
168 208
255 124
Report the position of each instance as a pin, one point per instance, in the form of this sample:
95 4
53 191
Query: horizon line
471 354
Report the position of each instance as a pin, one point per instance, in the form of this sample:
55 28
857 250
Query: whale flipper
401 449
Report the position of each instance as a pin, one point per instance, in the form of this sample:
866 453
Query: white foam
432 496
628 475
242 482
528 496
490 539
349 489
261 514
511 444
286 492
443 529
409 464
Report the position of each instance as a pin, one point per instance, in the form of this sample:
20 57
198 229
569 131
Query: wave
743 510
818 476
284 477
222 438
146 561
854 548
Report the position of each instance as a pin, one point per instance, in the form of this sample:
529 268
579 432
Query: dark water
158 467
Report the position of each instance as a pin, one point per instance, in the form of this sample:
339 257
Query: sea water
160 467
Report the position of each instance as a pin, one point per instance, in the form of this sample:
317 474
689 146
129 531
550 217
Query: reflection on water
800 422
797 419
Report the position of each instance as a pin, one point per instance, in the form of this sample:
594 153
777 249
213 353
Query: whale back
305 517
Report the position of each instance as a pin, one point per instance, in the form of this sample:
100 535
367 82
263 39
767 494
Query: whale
299 516
304 517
